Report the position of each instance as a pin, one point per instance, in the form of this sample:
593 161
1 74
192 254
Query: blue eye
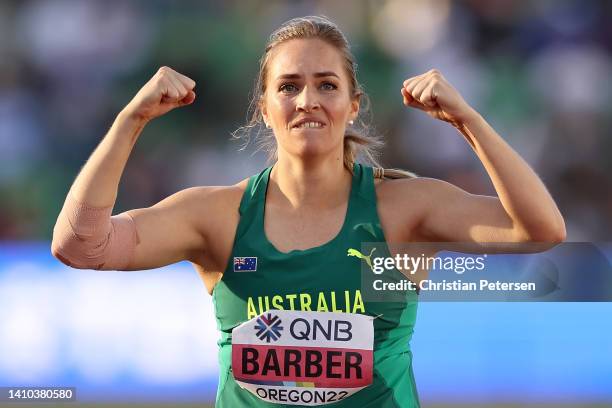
328 86
287 88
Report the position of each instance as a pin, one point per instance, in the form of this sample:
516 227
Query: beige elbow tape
89 238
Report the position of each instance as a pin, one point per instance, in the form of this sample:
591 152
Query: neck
302 184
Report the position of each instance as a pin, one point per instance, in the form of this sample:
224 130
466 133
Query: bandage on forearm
87 237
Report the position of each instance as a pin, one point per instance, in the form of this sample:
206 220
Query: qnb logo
268 327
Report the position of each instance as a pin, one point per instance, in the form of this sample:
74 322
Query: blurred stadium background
539 71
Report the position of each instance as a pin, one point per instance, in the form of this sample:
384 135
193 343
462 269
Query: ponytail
357 145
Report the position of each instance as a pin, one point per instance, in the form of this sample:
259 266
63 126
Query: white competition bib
303 358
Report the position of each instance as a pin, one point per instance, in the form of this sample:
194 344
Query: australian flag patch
245 263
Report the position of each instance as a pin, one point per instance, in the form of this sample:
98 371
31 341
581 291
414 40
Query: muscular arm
86 236
524 211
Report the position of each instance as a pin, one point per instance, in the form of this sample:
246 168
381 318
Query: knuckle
164 70
162 84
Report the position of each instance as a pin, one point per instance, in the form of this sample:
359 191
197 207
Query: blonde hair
360 142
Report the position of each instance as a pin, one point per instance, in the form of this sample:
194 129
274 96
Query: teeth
311 125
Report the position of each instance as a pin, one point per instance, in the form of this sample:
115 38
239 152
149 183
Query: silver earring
350 122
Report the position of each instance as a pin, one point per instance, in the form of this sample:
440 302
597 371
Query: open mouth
309 125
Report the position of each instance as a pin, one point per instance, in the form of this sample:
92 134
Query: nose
307 100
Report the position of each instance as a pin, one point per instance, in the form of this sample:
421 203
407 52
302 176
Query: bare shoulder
214 197
411 190
208 206
215 211
402 204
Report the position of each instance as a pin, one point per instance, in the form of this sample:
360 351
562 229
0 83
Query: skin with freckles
307 81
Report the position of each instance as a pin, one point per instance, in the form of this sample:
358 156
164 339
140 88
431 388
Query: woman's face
307 101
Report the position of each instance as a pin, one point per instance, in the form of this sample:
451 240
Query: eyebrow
316 75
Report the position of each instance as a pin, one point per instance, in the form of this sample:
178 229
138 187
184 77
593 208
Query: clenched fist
432 93
166 90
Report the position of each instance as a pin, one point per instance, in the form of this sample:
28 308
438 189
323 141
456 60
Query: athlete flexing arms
277 242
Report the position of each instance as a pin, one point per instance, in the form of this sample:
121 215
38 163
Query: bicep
167 232
454 215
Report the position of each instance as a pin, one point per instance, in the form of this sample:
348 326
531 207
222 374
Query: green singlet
320 279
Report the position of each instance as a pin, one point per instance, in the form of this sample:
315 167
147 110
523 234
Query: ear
263 110
355 107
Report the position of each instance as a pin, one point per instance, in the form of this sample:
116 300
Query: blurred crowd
538 71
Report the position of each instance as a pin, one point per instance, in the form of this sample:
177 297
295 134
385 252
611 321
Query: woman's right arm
87 237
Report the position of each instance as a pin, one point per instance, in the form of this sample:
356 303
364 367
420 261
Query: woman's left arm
524 210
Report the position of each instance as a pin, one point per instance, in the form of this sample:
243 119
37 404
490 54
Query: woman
295 328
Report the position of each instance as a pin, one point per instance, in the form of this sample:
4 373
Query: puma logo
366 258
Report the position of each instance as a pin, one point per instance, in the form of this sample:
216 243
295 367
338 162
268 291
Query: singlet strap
365 182
255 190
254 194
365 215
